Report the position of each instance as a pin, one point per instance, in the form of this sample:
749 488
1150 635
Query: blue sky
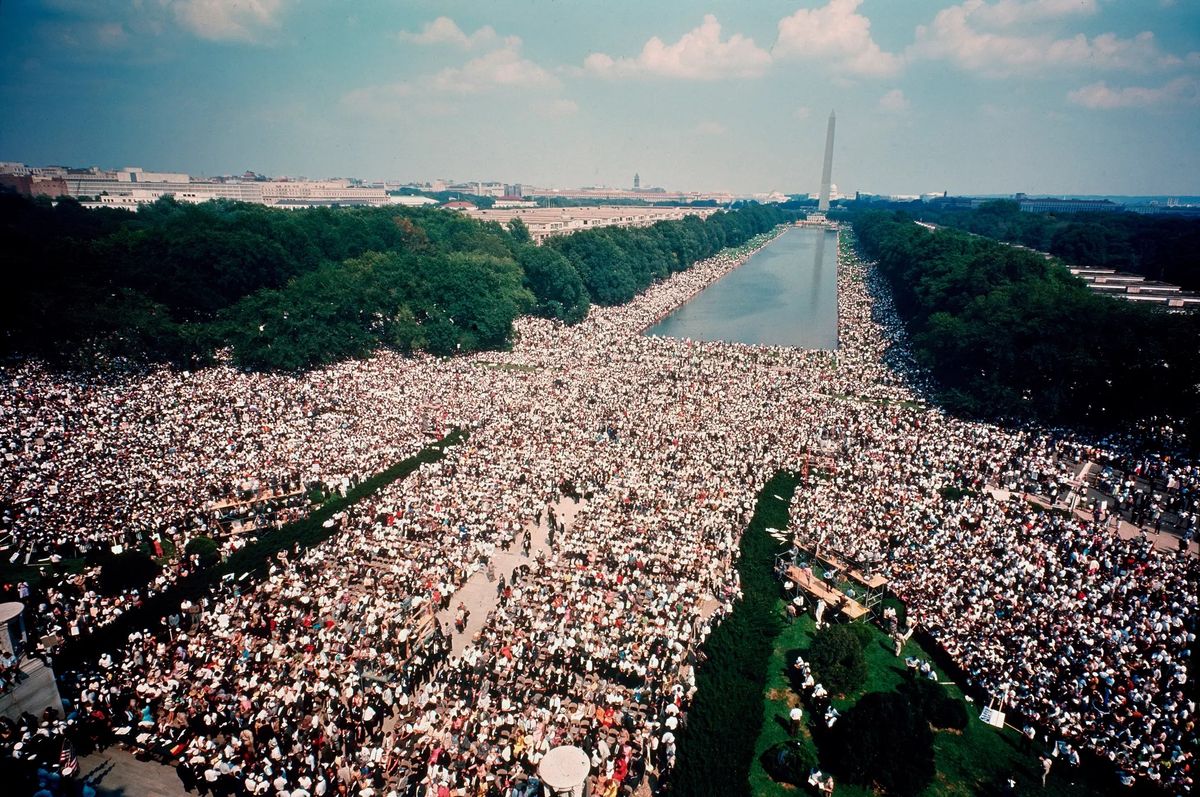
979 96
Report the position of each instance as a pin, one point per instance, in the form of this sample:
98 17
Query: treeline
617 263
1157 247
1010 334
286 290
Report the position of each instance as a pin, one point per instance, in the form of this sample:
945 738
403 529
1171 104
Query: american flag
67 759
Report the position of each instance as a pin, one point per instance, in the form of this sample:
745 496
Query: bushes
789 762
863 632
883 742
128 570
837 658
204 547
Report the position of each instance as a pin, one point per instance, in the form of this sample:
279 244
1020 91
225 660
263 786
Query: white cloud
955 36
88 35
362 98
710 128
396 99
229 20
111 34
503 68
444 30
429 95
700 54
1100 96
1005 13
803 112
556 109
837 33
894 102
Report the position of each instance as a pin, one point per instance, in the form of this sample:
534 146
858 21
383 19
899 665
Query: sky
979 96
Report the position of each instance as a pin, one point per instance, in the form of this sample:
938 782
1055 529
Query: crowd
1159 489
131 460
1085 634
334 675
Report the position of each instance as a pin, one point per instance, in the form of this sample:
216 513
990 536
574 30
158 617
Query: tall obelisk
827 172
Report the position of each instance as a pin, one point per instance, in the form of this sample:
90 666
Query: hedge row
716 747
254 559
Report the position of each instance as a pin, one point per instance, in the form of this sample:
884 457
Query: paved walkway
1163 541
116 773
479 595
36 692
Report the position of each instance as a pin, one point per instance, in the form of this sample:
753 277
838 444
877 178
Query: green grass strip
309 530
716 747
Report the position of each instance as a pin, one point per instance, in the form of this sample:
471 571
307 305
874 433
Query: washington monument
827 172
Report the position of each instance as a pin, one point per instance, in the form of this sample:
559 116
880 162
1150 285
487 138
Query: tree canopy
294 289
1157 247
1010 334
837 658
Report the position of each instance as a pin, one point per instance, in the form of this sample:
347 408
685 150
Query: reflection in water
785 295
814 294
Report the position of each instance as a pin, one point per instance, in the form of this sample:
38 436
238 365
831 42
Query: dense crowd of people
102 463
335 675
1083 632
1154 489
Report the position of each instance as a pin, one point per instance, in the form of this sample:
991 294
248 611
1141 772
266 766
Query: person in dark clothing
187 775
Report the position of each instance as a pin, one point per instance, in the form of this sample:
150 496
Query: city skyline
1044 96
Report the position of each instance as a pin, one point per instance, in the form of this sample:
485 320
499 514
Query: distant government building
544 223
129 187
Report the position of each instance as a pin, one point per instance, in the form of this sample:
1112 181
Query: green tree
519 232
204 547
836 656
605 269
789 762
554 283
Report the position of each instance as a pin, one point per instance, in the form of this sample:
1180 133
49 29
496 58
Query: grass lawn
976 761
34 573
